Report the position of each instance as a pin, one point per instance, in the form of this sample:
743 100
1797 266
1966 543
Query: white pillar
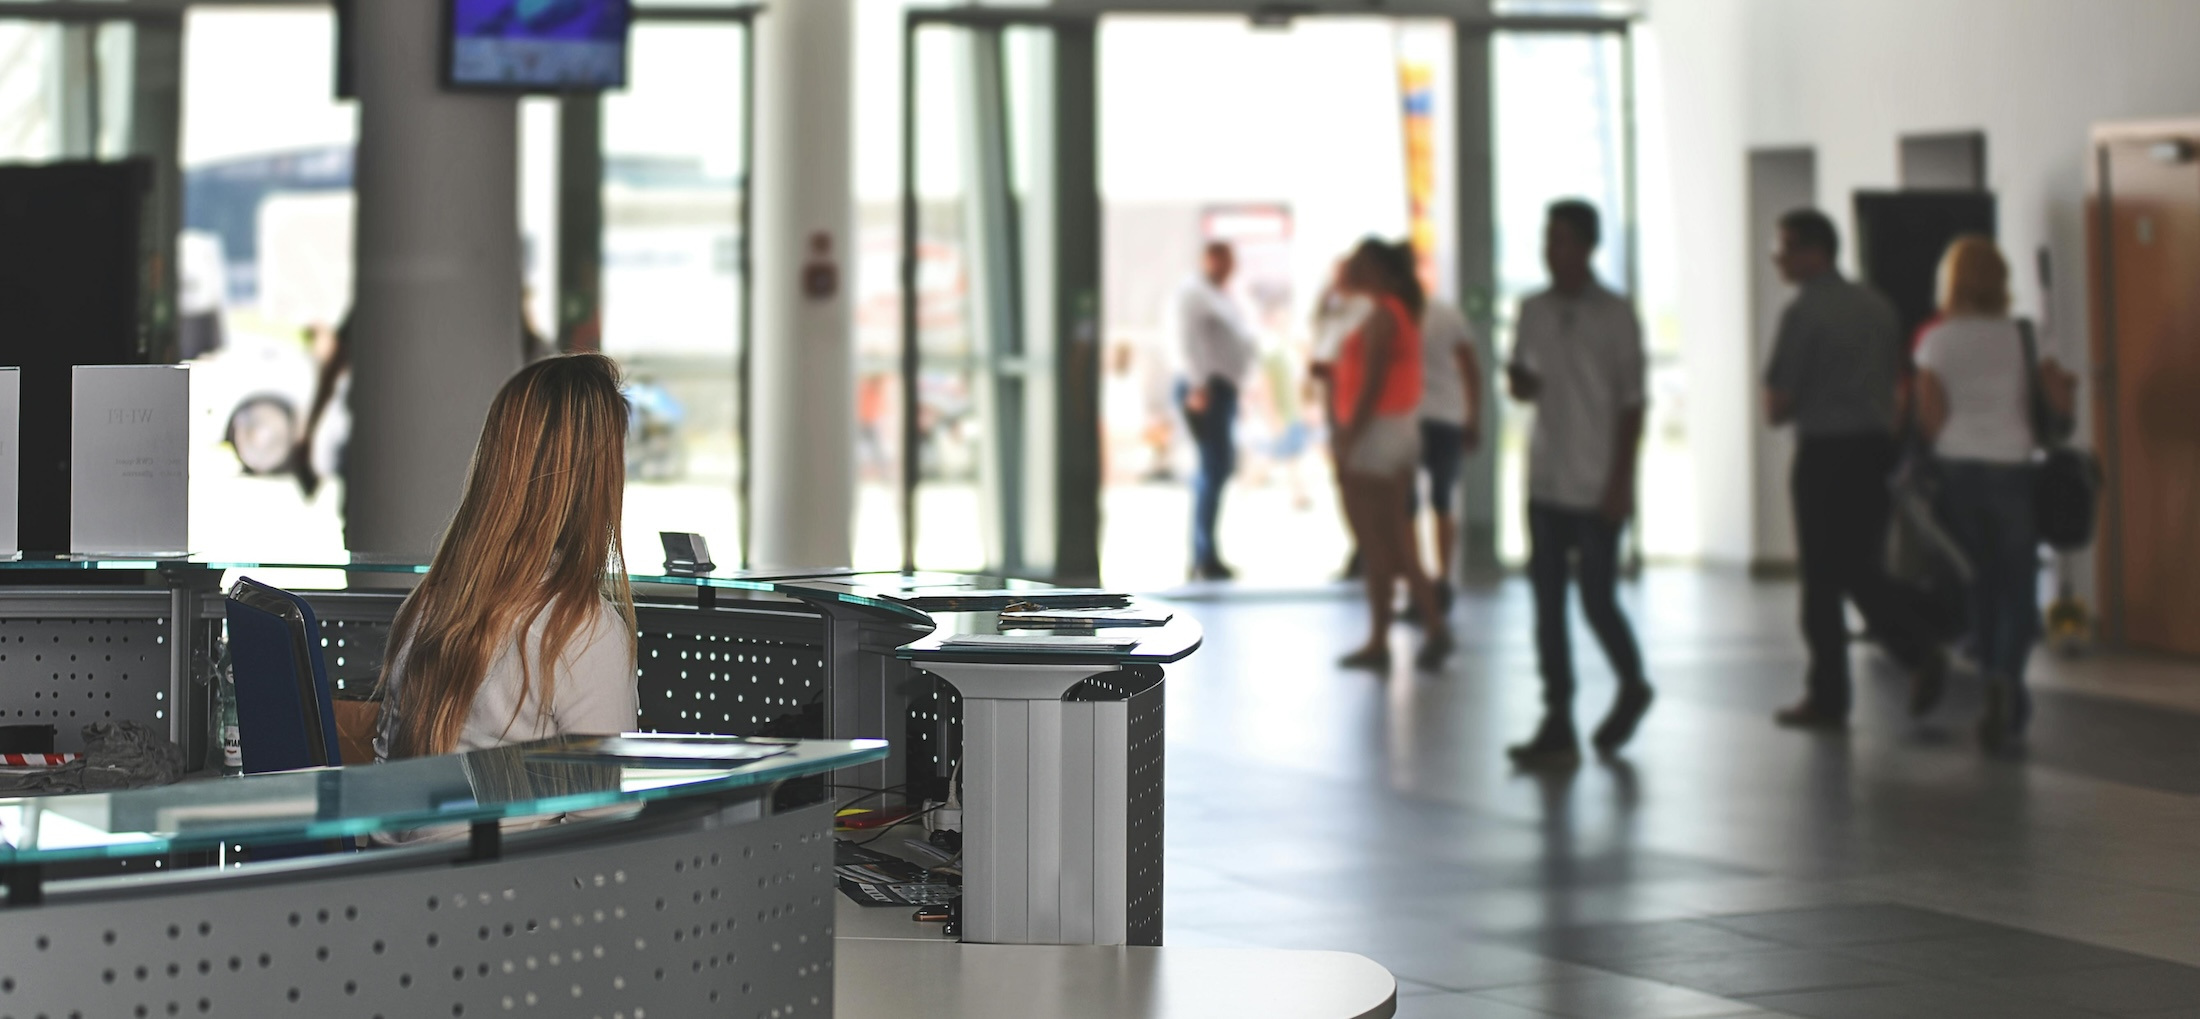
802 429
436 303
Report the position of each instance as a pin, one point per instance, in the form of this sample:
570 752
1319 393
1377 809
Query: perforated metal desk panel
733 652
703 897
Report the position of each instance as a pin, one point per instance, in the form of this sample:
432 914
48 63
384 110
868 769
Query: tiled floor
1722 867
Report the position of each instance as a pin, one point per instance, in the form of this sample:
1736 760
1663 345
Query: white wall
1847 78
1694 48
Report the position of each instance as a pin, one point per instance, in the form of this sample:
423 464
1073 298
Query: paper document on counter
1035 641
1137 615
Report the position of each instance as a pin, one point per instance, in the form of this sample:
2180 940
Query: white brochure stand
11 460
129 460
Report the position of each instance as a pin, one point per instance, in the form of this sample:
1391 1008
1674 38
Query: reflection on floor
1722 867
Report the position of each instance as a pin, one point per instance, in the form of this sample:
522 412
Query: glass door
673 276
992 384
1562 111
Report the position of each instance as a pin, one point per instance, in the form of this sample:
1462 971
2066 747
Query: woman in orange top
1375 397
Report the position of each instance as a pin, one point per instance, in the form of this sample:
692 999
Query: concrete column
802 430
436 305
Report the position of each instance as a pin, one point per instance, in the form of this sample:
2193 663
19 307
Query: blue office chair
286 715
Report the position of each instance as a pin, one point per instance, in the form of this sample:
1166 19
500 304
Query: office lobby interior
1040 705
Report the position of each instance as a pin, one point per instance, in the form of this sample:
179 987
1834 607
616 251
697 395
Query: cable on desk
883 832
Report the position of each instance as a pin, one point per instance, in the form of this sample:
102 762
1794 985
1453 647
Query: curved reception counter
1046 742
669 892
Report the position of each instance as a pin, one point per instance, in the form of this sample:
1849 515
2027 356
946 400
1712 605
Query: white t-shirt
1444 333
1980 364
1587 349
593 691
1212 337
1335 320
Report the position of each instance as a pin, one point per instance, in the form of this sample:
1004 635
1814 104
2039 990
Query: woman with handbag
1985 405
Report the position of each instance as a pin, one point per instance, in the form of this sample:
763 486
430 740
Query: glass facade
675 171
266 152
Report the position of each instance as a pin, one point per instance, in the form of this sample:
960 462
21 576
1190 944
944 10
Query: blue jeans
1988 509
1213 433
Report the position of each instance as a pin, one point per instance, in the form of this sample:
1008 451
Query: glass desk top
522 780
1172 641
953 604
800 582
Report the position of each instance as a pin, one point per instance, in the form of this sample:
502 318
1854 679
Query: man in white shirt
1218 349
1577 355
1451 424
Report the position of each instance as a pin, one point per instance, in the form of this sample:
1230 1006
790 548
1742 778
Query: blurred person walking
1986 406
1375 401
1218 349
1337 313
1577 355
1451 426
1837 364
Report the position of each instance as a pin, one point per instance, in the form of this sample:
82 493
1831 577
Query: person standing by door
1218 349
1577 355
1837 364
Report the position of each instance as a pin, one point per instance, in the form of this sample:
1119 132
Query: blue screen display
548 45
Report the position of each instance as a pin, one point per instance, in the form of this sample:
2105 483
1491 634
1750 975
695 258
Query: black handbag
2066 480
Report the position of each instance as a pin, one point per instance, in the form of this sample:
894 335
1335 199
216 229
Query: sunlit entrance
1212 128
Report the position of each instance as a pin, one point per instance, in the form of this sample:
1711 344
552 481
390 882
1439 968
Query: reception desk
667 892
1063 849
674 893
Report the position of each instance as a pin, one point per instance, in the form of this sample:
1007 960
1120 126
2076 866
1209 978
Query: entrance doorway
1031 379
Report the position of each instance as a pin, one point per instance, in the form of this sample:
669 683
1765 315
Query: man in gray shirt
1837 365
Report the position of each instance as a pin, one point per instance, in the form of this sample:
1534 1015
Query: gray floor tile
1917 1001
1721 860
1863 924
1507 910
1768 972
1415 989
1469 965
2119 989
1612 996
1614 943
1461 1006
2005 954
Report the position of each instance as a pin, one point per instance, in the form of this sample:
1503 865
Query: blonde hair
537 532
1974 278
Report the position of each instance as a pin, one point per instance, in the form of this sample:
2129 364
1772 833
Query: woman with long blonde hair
1980 400
524 625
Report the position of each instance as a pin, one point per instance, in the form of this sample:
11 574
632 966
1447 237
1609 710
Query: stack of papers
1084 619
1038 641
663 751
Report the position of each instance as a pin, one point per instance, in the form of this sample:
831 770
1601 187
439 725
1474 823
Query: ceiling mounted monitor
535 45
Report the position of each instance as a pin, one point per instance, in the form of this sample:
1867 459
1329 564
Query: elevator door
2147 244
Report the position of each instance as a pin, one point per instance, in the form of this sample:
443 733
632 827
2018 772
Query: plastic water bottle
230 759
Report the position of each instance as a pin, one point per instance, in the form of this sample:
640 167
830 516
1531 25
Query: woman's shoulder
607 620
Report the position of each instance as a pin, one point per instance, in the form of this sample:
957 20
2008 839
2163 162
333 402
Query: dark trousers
1212 432
1562 540
1841 513
1988 507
